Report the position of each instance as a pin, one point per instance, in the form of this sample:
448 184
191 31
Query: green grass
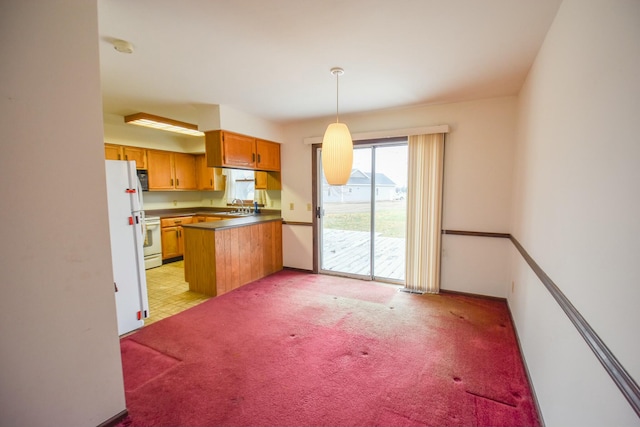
391 223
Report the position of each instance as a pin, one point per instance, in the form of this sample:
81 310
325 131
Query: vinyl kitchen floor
168 293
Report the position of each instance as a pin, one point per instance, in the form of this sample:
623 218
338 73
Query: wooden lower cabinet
206 218
171 242
172 235
217 261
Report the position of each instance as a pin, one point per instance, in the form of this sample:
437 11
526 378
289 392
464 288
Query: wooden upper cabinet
185 171
160 172
268 180
208 178
226 149
137 154
232 150
123 152
112 152
238 150
171 171
268 155
204 174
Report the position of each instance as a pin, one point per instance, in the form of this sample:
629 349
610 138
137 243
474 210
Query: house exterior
358 188
555 166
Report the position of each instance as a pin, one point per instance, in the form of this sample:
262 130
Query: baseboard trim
302 270
526 367
469 294
113 421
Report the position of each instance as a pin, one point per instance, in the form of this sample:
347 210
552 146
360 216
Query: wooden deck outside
349 252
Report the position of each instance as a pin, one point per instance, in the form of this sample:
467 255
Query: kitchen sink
234 214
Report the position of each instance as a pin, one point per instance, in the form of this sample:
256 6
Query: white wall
60 354
479 152
577 209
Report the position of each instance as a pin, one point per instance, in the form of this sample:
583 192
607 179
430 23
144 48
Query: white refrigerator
127 230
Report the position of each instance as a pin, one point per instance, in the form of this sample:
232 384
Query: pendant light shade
337 154
337 147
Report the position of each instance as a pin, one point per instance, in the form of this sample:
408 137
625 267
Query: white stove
152 243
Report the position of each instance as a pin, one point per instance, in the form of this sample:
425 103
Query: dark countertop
170 213
235 222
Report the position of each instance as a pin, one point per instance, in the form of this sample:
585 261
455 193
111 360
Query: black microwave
143 177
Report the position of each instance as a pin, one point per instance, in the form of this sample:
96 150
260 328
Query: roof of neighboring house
364 178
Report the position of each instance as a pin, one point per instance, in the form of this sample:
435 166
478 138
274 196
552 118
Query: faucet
242 208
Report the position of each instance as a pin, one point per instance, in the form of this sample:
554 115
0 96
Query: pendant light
337 147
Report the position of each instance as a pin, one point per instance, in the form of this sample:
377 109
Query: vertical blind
424 212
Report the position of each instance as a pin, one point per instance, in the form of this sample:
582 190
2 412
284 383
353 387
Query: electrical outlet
290 206
175 203
211 200
309 206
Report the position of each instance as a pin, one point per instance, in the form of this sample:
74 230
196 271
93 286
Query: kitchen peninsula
223 255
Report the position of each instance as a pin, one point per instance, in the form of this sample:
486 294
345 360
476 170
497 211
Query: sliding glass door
362 224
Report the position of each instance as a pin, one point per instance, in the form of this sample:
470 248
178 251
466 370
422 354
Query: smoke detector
122 46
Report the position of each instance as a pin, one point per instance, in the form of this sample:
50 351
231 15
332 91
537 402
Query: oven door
152 241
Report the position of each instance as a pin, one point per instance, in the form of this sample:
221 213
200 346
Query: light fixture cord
337 96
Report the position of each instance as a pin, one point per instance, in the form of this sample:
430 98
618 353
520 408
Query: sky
392 161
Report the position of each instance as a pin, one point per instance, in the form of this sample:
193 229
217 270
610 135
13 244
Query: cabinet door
219 180
268 155
160 170
261 180
185 171
238 150
137 154
176 221
268 180
112 152
171 242
180 242
204 174
208 178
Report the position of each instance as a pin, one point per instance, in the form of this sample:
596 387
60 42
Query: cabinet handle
126 157
211 180
258 158
177 221
172 182
253 157
119 157
177 233
177 182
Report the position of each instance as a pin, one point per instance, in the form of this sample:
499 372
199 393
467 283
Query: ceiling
271 58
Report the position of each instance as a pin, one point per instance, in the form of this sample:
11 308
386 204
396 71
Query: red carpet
298 349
